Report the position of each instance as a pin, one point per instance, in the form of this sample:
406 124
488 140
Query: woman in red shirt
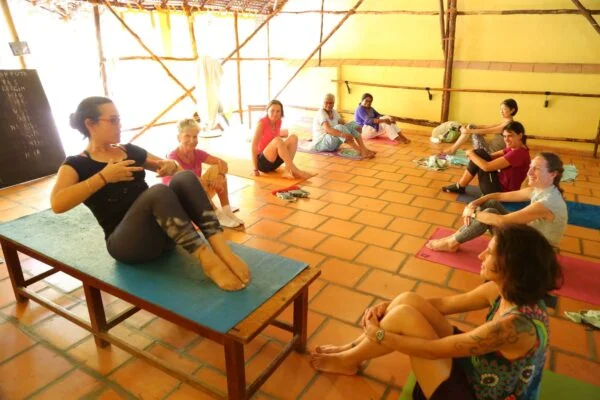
270 150
502 171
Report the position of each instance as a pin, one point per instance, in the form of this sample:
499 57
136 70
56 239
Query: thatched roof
66 8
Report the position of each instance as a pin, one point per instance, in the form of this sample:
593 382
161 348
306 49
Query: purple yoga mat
582 277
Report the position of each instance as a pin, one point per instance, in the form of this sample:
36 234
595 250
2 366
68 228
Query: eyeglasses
330 102
112 120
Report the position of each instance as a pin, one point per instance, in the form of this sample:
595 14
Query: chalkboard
30 147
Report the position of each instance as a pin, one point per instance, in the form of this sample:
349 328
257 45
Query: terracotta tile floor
363 224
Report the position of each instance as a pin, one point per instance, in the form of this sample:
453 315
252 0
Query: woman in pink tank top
270 150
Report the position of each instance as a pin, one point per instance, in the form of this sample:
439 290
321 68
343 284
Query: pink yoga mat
582 277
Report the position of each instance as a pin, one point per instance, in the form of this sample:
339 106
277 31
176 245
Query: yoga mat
174 281
553 387
582 277
383 140
305 146
580 214
245 169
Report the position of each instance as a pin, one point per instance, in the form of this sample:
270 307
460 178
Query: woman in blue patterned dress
501 359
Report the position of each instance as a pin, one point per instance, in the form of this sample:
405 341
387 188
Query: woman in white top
547 212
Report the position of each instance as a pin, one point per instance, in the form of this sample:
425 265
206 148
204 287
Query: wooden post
190 20
268 64
442 27
449 60
100 49
237 49
586 13
597 140
239 79
154 56
321 35
346 16
14 36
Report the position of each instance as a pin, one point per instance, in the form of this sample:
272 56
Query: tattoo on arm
504 332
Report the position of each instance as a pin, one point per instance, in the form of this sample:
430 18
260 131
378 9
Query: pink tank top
268 134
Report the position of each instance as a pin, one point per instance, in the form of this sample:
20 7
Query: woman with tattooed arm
501 359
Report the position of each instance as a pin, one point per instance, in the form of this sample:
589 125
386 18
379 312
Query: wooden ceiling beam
586 13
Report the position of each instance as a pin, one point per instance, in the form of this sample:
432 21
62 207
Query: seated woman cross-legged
494 142
270 150
512 162
547 211
501 359
329 132
141 223
213 180
374 124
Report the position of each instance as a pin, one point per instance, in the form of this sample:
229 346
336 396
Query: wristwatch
380 335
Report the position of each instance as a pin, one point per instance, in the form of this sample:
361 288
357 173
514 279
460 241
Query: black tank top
110 203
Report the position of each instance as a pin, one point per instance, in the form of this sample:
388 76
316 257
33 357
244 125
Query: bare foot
331 349
288 174
235 264
217 271
367 154
299 174
332 363
444 244
403 139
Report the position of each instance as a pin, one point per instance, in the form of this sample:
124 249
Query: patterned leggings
476 228
161 217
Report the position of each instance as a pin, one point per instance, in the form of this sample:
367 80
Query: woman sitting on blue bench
501 359
141 223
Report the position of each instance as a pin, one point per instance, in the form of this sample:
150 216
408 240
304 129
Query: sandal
454 188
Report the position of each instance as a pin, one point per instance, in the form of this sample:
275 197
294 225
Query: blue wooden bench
172 287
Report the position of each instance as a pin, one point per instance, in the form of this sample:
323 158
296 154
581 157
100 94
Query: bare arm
161 166
212 160
333 132
255 140
488 129
487 166
480 297
528 214
513 333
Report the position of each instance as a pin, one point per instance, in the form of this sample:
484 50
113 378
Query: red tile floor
362 226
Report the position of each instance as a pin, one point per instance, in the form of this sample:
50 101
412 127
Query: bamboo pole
14 36
442 27
449 60
507 91
154 56
585 12
100 50
348 14
321 35
236 50
148 58
239 78
190 21
268 63
481 12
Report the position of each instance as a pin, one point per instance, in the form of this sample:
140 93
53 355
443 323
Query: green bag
451 136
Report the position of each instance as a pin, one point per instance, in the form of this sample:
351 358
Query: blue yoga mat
580 214
174 281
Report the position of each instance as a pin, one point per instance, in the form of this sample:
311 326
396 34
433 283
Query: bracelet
103 178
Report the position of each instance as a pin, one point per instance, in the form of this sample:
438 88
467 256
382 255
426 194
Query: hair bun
73 120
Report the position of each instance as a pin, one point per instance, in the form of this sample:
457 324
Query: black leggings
489 182
161 217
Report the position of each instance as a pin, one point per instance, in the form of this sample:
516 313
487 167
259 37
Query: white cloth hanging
207 89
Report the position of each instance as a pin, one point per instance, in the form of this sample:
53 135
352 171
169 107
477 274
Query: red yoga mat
582 277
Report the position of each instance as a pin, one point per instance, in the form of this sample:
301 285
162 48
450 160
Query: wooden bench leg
96 311
15 272
301 319
236 372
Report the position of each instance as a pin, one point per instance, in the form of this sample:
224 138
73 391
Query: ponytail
554 164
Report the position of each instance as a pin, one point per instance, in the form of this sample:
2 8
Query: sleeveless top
268 134
552 199
110 203
494 377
